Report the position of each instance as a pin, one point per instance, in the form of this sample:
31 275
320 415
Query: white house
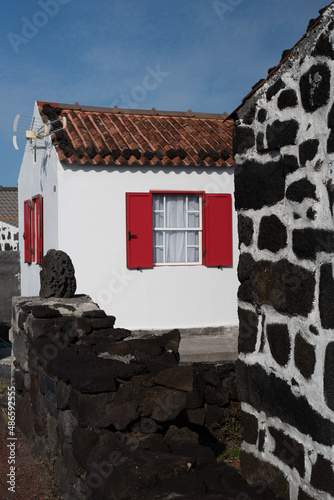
142 203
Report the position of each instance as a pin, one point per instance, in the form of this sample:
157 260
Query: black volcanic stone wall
284 195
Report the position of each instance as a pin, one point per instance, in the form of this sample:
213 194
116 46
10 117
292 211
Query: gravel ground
32 478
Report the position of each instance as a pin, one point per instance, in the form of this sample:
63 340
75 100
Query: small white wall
92 230
8 237
38 177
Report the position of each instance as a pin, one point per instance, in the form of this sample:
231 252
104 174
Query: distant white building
9 230
142 203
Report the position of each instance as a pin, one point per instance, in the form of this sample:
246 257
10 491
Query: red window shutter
217 230
27 232
38 200
139 230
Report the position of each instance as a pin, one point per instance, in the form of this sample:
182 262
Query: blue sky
203 55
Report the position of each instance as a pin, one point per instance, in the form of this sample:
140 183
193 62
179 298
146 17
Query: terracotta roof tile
111 136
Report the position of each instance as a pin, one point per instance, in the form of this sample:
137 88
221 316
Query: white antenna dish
38 132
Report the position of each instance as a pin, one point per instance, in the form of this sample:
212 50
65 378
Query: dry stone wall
284 194
117 415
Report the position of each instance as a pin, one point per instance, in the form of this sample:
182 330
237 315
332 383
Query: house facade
142 203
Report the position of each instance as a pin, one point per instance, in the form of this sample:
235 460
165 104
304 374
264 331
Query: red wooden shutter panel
139 230
217 234
27 232
38 200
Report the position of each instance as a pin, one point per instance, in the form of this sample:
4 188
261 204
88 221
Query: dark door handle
131 236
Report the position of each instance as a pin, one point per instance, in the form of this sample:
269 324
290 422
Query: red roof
113 136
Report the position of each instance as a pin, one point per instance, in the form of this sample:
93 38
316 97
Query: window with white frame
177 228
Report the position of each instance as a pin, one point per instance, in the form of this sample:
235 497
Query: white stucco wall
38 177
8 237
92 230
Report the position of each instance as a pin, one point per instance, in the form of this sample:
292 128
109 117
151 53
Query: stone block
175 436
306 243
216 395
272 234
45 312
57 275
305 358
299 190
246 266
243 140
160 403
304 496
329 376
245 230
83 441
275 88
248 328
286 287
289 164
289 451
315 87
215 414
104 322
67 424
197 416
63 395
287 99
279 342
98 410
323 47
258 185
251 427
260 142
322 477
308 150
262 473
330 143
326 296
274 396
262 115
180 378
282 133
23 415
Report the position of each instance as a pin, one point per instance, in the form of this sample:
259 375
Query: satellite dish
39 133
